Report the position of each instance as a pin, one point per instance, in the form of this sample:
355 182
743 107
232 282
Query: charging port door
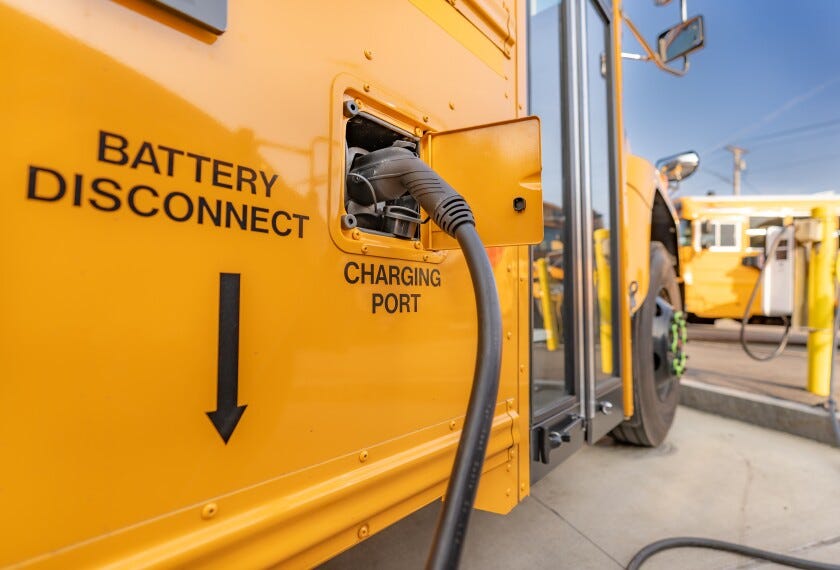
497 169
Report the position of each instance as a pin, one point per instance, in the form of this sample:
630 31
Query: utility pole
738 164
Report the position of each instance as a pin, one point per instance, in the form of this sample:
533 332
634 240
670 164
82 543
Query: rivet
506 77
363 456
520 106
522 278
418 245
512 453
507 492
452 425
366 87
364 249
425 118
452 105
359 103
509 466
418 131
364 531
522 487
356 234
522 368
426 257
509 335
510 267
507 96
368 54
209 511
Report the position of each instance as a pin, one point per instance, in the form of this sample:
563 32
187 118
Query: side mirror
681 40
680 166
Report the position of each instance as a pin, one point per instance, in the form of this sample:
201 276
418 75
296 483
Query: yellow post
549 323
603 282
821 303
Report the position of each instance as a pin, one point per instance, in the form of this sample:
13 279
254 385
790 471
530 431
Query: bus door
576 389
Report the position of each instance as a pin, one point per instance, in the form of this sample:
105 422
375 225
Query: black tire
655 383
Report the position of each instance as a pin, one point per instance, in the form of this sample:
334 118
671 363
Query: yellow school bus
243 291
721 235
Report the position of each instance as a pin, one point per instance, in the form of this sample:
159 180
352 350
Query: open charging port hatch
396 217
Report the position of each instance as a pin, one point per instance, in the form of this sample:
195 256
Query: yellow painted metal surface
508 156
821 301
625 221
145 160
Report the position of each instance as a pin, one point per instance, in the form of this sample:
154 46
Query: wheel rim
669 337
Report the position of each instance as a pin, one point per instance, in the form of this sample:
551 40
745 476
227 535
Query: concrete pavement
713 477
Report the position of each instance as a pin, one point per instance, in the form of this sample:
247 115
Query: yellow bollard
549 322
821 302
602 271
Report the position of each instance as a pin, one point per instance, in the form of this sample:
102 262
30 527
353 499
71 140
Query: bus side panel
195 372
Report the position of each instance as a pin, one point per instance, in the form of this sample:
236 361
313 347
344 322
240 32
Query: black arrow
227 413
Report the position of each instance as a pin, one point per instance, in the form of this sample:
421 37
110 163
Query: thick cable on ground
463 483
746 317
694 542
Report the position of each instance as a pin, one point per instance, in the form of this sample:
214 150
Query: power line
799 138
800 129
708 172
795 163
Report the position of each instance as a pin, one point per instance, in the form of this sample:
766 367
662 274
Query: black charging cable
694 542
742 336
392 172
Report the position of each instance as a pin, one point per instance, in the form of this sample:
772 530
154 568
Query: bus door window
551 385
601 204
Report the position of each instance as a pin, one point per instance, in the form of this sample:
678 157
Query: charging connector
391 173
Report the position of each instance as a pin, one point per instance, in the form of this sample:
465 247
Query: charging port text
395 302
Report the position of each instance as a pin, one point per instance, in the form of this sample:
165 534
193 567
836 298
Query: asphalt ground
724 363
713 477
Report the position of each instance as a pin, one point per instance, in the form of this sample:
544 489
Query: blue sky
767 80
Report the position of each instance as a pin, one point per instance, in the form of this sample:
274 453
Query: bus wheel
659 336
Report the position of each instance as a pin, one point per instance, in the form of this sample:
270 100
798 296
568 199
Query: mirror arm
651 55
634 56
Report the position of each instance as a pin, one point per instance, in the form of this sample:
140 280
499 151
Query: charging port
398 217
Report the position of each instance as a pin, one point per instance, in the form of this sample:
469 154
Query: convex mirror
680 166
681 40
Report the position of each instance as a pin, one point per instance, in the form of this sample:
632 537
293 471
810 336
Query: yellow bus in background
719 239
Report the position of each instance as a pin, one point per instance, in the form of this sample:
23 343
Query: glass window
757 231
719 234
727 235
549 385
597 45
685 233
707 234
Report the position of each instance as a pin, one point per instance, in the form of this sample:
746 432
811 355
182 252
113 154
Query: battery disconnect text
107 194
392 276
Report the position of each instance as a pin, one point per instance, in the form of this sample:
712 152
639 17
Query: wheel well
663 227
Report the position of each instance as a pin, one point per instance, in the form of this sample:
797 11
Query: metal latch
554 436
